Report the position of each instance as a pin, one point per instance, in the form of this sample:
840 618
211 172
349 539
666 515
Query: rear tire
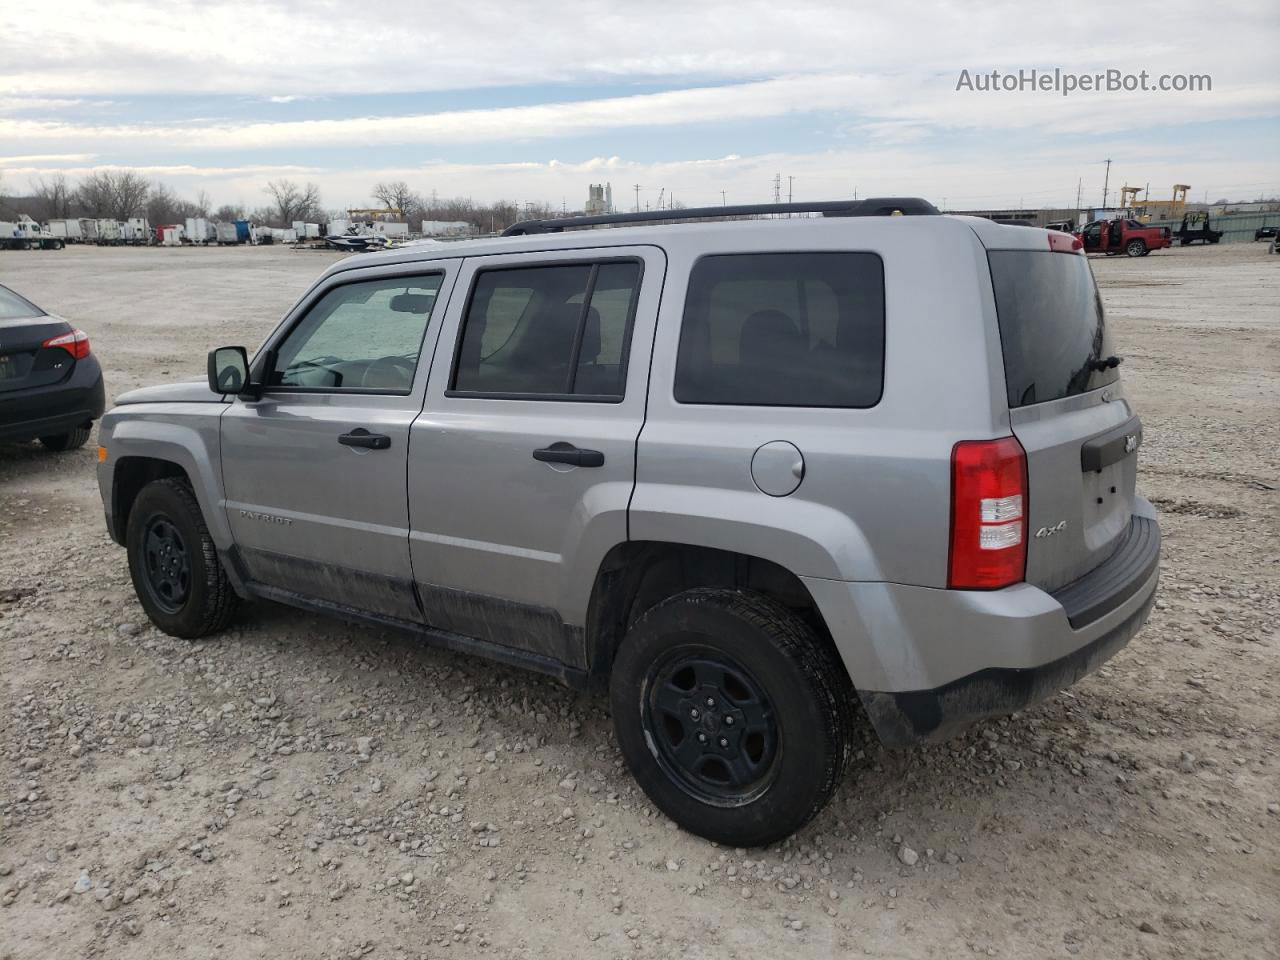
1135 248
72 440
174 564
733 714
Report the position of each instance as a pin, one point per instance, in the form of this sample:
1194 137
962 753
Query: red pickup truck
1123 236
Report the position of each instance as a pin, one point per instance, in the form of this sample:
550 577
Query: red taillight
75 343
988 514
1064 242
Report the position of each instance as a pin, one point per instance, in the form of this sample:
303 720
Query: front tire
71 440
174 564
733 714
1135 248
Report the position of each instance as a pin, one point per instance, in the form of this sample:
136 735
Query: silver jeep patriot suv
745 475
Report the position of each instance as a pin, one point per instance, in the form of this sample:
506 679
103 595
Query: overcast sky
534 101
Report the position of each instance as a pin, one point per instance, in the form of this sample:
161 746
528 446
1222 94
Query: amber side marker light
102 454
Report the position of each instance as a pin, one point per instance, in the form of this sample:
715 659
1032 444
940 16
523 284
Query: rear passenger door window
555 331
783 329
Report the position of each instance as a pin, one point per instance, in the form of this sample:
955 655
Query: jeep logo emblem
1050 531
1131 443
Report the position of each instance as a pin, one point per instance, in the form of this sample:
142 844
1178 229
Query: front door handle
562 452
360 437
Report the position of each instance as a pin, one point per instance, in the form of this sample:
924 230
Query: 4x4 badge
1050 531
1131 443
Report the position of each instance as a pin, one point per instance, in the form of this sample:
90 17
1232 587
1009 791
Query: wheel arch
142 450
639 574
130 475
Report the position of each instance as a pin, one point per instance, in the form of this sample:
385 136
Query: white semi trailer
67 230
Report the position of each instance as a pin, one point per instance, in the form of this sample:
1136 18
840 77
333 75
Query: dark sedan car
50 384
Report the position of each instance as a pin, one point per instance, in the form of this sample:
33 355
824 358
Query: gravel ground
301 788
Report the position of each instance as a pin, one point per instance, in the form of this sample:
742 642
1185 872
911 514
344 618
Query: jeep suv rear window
1052 328
783 329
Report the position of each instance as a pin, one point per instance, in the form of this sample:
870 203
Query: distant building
599 199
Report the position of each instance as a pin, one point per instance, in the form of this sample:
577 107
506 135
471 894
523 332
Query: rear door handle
360 437
562 452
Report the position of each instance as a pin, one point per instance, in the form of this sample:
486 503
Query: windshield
1052 328
13 307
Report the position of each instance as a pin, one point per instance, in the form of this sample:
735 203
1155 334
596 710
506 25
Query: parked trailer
139 230
66 230
170 234
392 231
199 231
109 233
337 228
88 230
227 233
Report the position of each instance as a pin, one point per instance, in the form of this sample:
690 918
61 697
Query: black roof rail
871 207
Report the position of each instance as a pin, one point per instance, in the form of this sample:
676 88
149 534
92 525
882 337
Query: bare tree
399 199
293 202
54 197
118 194
228 212
164 206
202 205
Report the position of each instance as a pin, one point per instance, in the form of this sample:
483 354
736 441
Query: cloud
44 159
889 109
86 47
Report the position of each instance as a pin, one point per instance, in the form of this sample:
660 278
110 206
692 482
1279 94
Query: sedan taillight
75 343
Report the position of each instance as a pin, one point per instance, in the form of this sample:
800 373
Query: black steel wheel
713 724
174 563
166 563
734 714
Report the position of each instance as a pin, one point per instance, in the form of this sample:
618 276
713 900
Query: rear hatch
24 361
1080 437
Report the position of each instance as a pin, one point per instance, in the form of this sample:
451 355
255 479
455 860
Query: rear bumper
929 662
57 408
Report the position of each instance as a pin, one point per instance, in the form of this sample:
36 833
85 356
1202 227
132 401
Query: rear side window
783 329
1052 329
555 331
13 307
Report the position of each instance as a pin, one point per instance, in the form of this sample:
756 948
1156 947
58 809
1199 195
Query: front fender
174 434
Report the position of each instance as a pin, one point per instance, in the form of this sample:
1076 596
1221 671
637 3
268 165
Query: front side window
360 337
560 330
783 329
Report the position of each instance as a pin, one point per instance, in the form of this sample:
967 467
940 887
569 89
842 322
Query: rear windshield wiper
1108 363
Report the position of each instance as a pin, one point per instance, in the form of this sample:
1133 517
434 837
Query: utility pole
777 188
722 200
1079 185
1105 182
637 189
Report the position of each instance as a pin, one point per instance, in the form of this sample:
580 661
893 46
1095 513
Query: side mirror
228 370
